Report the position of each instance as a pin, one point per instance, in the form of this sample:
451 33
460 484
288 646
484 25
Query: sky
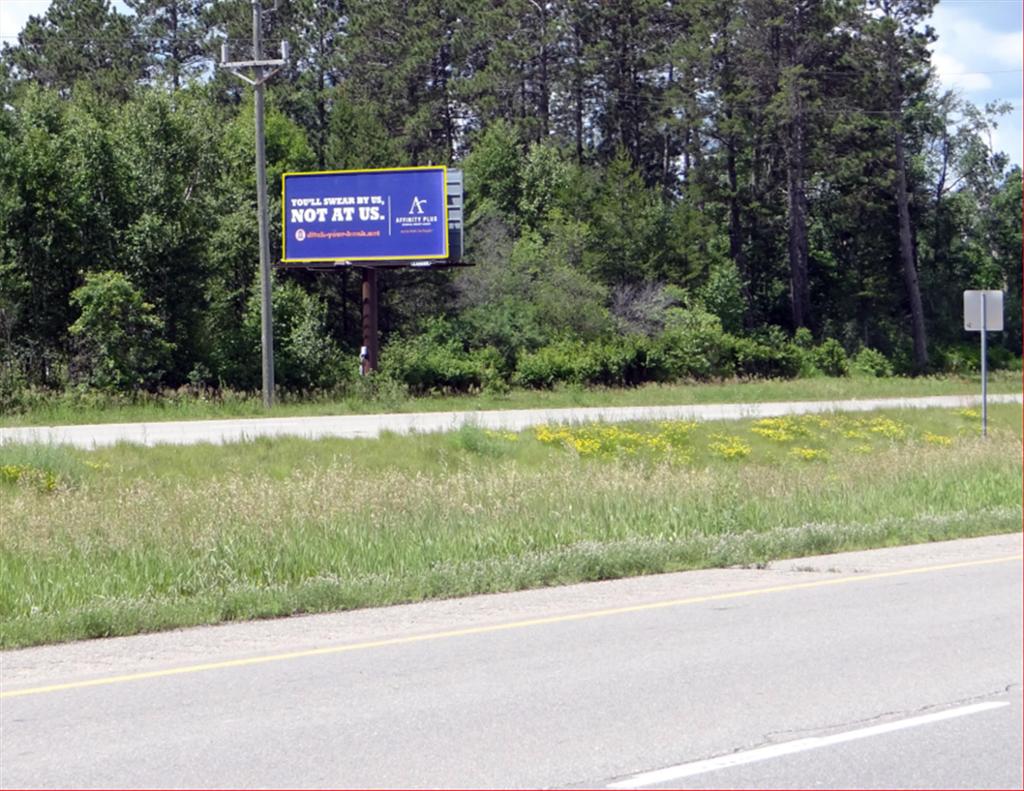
978 52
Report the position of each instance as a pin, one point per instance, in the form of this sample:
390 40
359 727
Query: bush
692 346
119 336
566 361
620 361
722 294
870 362
437 361
803 338
305 355
611 362
830 358
965 358
768 355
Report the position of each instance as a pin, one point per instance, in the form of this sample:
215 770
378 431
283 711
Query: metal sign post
983 312
984 368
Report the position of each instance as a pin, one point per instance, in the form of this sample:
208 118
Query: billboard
392 214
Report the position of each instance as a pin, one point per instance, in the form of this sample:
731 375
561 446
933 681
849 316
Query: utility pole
261 70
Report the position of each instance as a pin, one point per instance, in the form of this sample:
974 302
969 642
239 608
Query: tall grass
137 539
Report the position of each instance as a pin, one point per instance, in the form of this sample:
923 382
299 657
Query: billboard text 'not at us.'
392 214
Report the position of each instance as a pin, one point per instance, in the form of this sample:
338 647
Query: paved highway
191 432
890 668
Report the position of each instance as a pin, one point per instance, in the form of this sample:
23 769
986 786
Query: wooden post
370 339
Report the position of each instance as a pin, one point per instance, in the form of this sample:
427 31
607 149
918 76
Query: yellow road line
341 649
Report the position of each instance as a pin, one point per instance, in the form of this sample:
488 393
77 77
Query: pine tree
172 34
898 40
74 40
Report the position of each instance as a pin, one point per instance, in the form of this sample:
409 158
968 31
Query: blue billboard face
364 215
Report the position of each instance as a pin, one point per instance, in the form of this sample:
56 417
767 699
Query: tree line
655 190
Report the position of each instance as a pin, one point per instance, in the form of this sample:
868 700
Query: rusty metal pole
370 339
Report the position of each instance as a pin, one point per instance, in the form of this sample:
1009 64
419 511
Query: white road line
788 748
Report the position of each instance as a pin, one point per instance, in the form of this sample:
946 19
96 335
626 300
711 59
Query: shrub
722 294
305 354
870 362
620 361
118 334
426 367
436 361
830 358
692 346
769 355
566 361
803 338
494 369
959 359
965 358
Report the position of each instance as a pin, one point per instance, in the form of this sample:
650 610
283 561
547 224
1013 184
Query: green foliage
85 43
561 362
624 166
803 338
769 355
545 178
619 361
305 355
118 334
965 358
623 360
870 362
830 358
435 360
492 170
692 346
722 295
630 223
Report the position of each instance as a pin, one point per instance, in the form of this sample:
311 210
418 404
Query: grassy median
130 539
78 407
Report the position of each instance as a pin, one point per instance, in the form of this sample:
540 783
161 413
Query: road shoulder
140 654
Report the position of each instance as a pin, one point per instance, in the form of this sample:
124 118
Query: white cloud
965 39
983 62
1008 48
953 73
1009 138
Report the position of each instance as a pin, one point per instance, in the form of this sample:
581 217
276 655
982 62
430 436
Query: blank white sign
993 310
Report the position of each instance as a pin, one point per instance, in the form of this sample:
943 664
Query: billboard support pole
370 334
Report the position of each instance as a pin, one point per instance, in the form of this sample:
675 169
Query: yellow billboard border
444 188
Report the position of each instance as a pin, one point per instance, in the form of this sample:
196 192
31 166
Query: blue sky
978 53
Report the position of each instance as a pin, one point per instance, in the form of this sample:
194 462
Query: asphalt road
890 668
190 432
